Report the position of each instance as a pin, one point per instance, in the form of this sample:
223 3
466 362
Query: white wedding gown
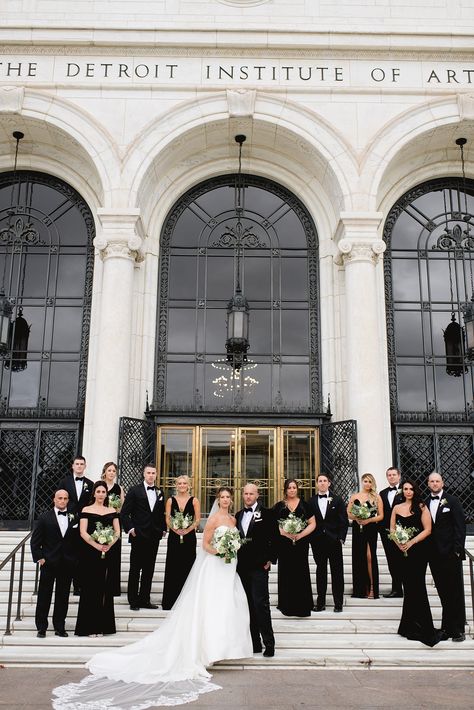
209 622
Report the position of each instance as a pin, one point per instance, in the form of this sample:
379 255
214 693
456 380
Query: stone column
365 350
118 242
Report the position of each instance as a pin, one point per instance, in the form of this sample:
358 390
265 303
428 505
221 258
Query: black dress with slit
116 551
363 537
180 556
416 622
96 604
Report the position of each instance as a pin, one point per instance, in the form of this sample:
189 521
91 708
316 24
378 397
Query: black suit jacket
336 522
384 524
136 513
75 506
47 541
262 537
448 533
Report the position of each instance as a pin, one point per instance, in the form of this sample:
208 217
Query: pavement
402 689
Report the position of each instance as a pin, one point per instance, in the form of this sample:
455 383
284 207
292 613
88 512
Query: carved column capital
121 235
357 238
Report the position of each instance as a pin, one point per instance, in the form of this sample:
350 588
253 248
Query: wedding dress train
208 623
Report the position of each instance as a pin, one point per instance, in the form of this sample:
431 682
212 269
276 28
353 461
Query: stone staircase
363 636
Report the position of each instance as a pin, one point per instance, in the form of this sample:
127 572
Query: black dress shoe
63 634
338 609
393 595
134 608
269 652
150 606
443 635
459 638
41 634
319 608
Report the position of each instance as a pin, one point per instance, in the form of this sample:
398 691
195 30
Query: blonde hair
180 477
106 466
373 484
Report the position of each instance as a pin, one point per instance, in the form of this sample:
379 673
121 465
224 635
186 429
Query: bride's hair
223 489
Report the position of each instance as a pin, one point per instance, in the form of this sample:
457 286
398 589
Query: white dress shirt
62 521
247 518
434 504
151 495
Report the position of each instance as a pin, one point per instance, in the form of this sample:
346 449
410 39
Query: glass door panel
257 463
175 458
298 459
217 459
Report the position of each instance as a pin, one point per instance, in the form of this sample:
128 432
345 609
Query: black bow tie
150 488
62 512
393 489
434 497
248 510
79 479
322 495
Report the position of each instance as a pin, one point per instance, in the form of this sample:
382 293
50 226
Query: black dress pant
255 584
326 549
142 568
448 577
61 574
394 561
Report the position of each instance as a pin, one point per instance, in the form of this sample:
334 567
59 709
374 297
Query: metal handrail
470 557
11 557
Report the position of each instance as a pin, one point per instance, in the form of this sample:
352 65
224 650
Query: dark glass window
46 261
428 268
278 264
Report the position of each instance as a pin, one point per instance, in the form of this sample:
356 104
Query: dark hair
287 483
417 501
149 465
96 485
394 468
222 489
326 475
79 458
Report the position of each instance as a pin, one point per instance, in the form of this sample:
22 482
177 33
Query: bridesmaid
181 550
109 476
365 569
95 615
295 595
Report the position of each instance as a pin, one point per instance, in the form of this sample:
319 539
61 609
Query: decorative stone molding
11 99
368 251
241 102
357 238
121 235
466 107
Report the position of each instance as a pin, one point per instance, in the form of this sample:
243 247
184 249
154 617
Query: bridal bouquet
115 501
292 525
180 521
104 535
227 543
364 511
402 535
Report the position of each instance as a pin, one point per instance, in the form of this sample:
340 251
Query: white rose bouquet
364 511
104 535
292 525
402 535
180 521
227 543
115 501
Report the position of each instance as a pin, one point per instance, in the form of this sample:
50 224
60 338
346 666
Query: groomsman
52 547
143 518
79 489
445 555
391 496
327 541
258 525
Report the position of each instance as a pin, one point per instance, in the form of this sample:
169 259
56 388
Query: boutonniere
257 515
85 488
398 491
329 500
70 517
443 502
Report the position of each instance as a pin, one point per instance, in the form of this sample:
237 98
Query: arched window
46 261
201 255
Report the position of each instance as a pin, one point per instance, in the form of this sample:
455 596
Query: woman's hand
105 548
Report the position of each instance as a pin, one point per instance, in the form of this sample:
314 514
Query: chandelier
233 382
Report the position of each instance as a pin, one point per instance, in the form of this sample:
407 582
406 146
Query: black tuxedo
149 526
59 553
75 506
392 553
445 555
326 544
260 548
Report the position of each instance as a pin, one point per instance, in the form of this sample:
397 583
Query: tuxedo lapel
252 522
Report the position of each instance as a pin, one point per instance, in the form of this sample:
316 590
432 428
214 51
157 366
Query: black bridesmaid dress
115 553
180 557
416 623
363 536
96 604
295 595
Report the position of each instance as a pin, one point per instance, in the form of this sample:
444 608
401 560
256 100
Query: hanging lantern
454 347
237 342
469 327
5 322
20 332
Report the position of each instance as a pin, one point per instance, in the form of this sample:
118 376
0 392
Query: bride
209 622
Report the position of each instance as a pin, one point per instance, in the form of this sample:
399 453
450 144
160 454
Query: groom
259 527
